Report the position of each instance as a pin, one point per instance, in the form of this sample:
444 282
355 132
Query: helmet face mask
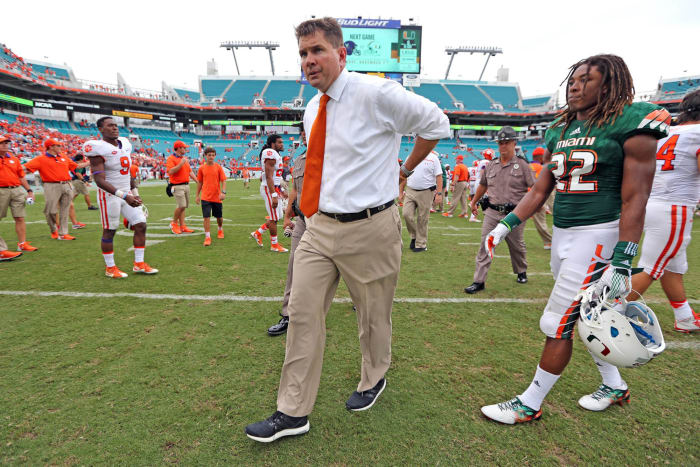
624 334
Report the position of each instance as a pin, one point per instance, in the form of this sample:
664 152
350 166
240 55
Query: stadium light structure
488 51
233 45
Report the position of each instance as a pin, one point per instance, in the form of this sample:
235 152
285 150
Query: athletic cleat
511 412
185 229
54 234
473 219
687 325
207 241
446 214
93 208
7 255
277 426
220 234
257 236
66 237
462 215
547 246
25 246
604 397
174 228
432 210
278 248
114 272
79 225
144 268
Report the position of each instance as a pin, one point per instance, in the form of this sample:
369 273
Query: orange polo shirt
211 176
182 175
460 173
536 168
134 171
52 169
10 171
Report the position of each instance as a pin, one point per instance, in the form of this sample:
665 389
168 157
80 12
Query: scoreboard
381 46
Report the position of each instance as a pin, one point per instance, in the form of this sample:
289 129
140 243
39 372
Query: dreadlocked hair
615 93
268 144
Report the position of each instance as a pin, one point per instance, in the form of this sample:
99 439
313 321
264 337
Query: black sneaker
522 278
279 328
277 426
419 250
413 243
475 287
93 208
364 400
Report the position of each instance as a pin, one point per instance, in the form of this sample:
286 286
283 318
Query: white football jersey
117 160
482 165
677 179
274 155
473 173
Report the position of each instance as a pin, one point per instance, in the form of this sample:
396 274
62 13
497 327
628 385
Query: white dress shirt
365 119
425 173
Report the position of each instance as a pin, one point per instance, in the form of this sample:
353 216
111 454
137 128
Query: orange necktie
313 171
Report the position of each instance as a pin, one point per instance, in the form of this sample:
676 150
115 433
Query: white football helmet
624 334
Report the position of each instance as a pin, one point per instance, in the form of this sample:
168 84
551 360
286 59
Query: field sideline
170 368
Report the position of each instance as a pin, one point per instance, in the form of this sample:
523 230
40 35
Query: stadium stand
676 88
279 91
507 95
537 101
471 97
213 88
243 91
50 70
188 95
436 93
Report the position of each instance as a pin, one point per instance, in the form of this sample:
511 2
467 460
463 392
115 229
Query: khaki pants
182 195
15 199
416 213
367 254
299 229
79 187
540 220
58 198
459 197
515 241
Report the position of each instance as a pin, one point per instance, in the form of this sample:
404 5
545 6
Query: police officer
506 180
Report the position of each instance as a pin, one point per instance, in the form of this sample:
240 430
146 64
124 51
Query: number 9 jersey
117 160
587 163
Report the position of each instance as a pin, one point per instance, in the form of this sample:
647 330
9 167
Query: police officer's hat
506 133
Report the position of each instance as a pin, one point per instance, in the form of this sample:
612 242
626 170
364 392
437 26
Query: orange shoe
462 215
115 273
174 228
7 255
54 234
185 229
257 236
207 241
278 248
446 214
220 234
25 246
79 225
143 268
66 237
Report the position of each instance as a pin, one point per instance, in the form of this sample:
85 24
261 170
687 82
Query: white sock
610 373
273 239
109 259
541 384
207 234
260 230
139 252
681 310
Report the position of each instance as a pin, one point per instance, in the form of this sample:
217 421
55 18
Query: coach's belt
8 187
64 181
356 216
431 188
178 184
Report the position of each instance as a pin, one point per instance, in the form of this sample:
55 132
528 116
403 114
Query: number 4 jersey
677 179
117 160
587 164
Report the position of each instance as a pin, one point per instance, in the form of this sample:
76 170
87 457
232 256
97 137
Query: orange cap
51 142
460 158
179 144
538 151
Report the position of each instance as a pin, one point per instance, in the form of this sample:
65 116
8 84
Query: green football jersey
587 165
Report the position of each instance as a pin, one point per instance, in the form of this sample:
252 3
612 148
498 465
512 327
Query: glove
617 278
503 228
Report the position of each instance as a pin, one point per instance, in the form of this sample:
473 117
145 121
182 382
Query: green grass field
144 381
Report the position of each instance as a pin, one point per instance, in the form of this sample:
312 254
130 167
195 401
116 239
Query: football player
603 148
270 191
110 164
669 214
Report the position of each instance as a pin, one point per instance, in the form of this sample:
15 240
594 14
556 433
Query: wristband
274 195
511 221
121 194
623 254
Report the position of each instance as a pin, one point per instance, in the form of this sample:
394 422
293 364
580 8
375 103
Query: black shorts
209 208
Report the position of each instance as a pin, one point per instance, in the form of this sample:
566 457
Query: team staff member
353 225
14 197
299 227
245 173
55 172
507 180
180 174
211 190
417 198
460 179
80 183
540 216
135 175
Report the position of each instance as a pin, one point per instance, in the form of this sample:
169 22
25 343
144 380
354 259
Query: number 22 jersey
587 163
117 160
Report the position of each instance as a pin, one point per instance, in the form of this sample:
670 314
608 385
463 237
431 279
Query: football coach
353 226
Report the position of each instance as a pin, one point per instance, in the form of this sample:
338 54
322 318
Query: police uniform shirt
423 176
507 183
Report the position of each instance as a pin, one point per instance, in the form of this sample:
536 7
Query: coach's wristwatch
222 191
405 171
